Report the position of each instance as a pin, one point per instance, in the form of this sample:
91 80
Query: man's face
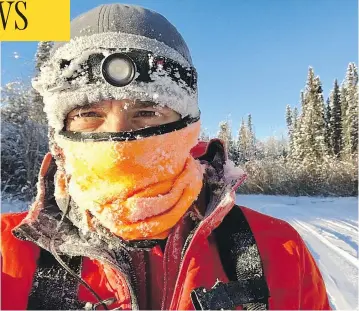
119 116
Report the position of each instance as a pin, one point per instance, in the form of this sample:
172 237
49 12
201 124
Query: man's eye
146 114
89 114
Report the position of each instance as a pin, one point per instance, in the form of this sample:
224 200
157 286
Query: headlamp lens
118 69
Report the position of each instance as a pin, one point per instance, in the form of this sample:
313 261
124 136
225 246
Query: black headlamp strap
130 135
136 64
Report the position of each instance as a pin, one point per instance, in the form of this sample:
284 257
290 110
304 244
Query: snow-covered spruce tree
289 121
225 134
313 147
352 109
15 104
349 108
295 131
23 148
290 164
310 150
336 128
24 143
328 125
295 151
289 118
246 142
251 139
42 55
346 138
243 143
14 113
12 168
295 116
310 169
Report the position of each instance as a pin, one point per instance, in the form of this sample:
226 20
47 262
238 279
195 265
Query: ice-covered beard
137 189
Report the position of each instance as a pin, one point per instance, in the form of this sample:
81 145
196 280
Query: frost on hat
115 26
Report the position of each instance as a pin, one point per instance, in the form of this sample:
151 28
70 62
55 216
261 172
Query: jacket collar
222 180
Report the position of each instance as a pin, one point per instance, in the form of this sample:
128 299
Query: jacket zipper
165 277
165 274
132 277
184 250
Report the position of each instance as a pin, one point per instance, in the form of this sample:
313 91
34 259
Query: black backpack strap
53 287
242 263
226 296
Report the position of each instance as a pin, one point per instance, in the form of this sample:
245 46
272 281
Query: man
132 212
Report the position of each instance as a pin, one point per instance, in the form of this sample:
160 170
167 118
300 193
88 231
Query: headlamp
120 67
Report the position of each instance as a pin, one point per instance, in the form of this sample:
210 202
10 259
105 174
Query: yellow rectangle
35 20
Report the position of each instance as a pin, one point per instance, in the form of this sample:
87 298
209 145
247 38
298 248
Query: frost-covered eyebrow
82 108
135 104
144 104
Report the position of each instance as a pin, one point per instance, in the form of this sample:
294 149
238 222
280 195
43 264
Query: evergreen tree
295 152
23 143
36 112
346 139
352 99
243 143
336 121
225 134
289 121
250 126
302 93
42 53
312 149
317 130
328 124
295 122
15 103
295 117
251 139
24 132
349 109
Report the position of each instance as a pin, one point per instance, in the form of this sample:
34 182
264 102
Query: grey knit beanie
104 30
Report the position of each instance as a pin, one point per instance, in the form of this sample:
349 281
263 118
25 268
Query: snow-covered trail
329 226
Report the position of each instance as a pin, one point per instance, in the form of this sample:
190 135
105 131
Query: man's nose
118 122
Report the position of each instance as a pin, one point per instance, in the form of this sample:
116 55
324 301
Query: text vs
13 11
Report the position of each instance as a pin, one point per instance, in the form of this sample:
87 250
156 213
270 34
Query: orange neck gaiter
137 189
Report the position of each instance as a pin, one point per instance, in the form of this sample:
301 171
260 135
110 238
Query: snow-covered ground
329 226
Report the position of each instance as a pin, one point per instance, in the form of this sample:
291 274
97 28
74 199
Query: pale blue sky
252 56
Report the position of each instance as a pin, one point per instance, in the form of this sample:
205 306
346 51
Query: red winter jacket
165 279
